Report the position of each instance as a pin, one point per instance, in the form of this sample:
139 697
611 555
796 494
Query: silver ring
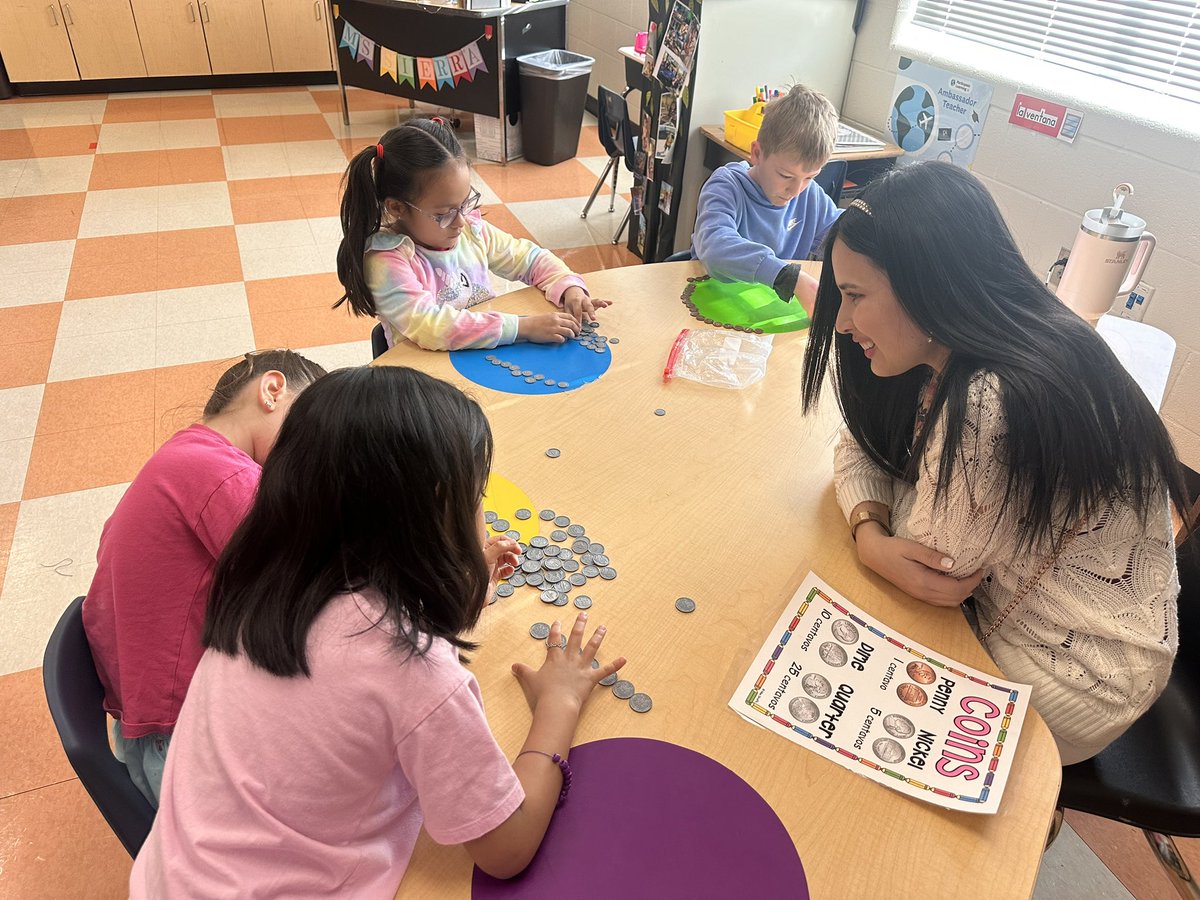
561 645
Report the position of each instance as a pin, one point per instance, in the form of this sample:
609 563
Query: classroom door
172 37
236 31
105 38
299 35
34 42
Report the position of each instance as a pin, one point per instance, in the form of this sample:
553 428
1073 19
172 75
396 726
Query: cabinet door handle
191 12
53 15
317 9
204 12
70 19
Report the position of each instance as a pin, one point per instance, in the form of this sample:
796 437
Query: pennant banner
435 72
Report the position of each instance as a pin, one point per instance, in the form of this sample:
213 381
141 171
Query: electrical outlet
1055 275
1133 306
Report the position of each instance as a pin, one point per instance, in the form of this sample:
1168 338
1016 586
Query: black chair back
76 700
378 341
615 131
832 178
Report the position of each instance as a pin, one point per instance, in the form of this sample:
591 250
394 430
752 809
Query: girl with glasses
416 253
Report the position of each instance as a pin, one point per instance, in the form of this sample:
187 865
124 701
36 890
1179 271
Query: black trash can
553 90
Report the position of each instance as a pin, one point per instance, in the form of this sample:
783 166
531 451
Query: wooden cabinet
236 31
299 35
34 42
104 38
172 37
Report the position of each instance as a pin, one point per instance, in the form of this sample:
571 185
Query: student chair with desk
1150 776
76 700
616 136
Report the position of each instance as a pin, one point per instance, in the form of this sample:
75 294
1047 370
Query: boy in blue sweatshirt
752 218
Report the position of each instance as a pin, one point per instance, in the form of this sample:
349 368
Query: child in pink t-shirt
145 609
330 716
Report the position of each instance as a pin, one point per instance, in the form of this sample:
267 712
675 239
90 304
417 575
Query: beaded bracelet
563 765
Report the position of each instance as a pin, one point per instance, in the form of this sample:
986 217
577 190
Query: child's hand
547 328
501 554
566 676
806 292
578 304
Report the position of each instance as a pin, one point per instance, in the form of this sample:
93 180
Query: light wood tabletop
716 134
726 499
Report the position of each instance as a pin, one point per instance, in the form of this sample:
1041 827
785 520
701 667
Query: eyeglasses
446 219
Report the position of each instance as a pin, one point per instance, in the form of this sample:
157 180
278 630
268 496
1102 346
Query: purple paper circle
650 819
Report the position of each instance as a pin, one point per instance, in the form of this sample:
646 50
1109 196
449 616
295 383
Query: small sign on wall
1047 118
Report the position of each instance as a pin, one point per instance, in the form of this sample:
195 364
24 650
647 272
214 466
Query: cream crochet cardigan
1097 635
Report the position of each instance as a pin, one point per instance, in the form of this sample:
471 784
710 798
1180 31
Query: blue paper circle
570 362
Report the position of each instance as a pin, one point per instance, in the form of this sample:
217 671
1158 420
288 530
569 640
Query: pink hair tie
379 151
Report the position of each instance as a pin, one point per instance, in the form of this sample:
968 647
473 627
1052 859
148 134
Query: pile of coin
555 566
695 313
589 337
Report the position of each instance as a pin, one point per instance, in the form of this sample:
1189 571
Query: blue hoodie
741 236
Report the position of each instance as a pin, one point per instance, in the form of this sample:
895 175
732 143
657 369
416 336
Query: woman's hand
566 678
914 568
578 304
500 553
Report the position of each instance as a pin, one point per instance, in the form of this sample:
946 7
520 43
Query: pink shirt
144 613
316 787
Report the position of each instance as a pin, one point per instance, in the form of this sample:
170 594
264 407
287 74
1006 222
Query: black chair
76 700
1150 776
616 136
378 341
680 256
832 178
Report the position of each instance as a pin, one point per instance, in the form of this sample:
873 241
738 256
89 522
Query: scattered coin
899 726
516 579
614 340
586 559
554 453
888 750
912 695
505 590
583 602
558 535
575 531
515 373
685 605
608 573
623 690
500 525
537 376
660 412
803 710
549 596
844 631
539 631
561 600
538 541
921 673
816 686
832 654
534 554
590 571
563 384
489 517
530 380
523 514
546 515
562 521
640 703
553 577
609 680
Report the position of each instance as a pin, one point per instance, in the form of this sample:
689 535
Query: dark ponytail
395 169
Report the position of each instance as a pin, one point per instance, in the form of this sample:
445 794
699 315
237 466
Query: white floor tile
141 210
54 175
144 95
339 356
266 235
367 124
283 262
14 461
106 315
51 113
255 161
19 408
556 223
34 273
85 356
11 171
52 561
199 304
120 137
191 342
486 194
326 230
315 157
280 103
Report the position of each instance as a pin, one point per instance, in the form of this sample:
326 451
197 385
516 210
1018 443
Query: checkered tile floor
145 239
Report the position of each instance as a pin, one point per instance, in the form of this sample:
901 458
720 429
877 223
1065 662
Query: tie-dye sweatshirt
423 295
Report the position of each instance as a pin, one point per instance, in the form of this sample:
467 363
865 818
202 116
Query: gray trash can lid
555 65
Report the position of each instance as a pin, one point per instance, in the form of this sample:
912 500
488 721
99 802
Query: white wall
1043 187
597 28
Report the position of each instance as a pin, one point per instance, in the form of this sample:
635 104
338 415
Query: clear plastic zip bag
719 358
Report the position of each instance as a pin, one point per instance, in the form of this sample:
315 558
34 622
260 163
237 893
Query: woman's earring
929 338
270 406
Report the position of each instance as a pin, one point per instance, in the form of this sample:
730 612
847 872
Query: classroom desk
634 65
726 499
718 151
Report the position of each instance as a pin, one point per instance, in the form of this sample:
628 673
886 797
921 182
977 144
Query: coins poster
831 679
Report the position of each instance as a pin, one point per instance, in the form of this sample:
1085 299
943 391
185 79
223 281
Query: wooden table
715 134
727 499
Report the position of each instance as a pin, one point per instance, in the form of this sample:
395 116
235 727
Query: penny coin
898 726
912 695
888 750
816 686
844 631
921 673
803 709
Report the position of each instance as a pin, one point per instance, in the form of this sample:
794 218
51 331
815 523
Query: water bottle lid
1114 224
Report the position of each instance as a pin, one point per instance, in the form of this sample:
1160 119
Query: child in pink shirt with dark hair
331 716
145 609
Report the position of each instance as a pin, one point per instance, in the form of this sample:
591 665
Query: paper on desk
835 681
